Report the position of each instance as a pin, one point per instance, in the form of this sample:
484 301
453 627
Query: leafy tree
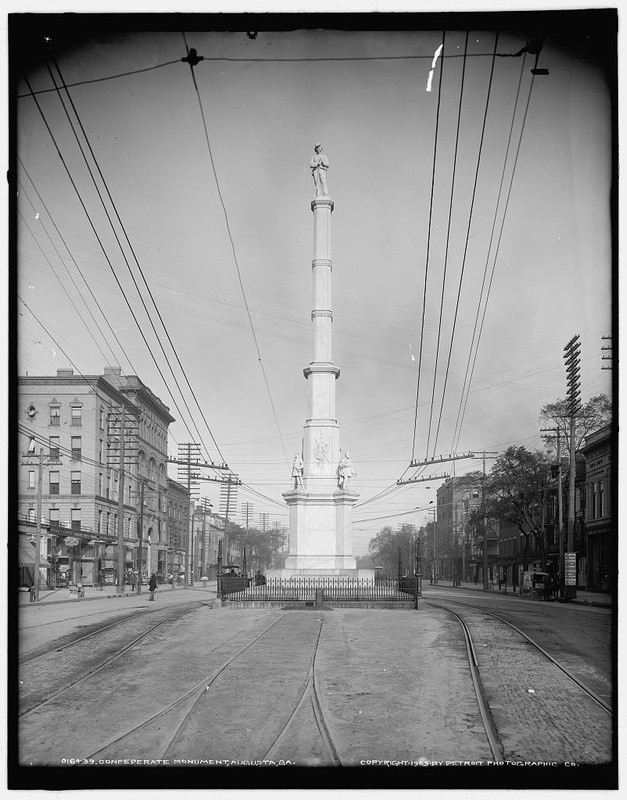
262 547
596 413
514 495
385 546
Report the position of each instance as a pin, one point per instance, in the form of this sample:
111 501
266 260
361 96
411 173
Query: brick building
75 421
597 517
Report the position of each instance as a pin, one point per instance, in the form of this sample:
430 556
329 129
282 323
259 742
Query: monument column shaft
321 448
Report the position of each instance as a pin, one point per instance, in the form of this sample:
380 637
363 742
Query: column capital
321 367
322 202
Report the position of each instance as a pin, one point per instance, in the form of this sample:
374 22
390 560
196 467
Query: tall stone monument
321 500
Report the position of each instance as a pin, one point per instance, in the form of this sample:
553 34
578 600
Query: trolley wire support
440 459
419 478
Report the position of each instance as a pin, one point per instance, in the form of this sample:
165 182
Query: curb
97 597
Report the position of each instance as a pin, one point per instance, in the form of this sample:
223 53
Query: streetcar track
197 692
200 688
102 665
310 692
591 694
68 619
484 709
34 654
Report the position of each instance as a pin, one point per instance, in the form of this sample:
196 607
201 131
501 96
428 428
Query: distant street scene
313 420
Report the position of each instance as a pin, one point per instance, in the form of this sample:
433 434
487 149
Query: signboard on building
570 569
70 541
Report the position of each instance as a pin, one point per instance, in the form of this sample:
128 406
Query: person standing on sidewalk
152 585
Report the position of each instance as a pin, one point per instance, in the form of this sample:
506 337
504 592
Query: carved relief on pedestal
321 451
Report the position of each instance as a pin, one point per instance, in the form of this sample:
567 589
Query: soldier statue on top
319 164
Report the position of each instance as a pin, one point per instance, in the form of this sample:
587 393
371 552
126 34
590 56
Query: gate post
419 602
319 597
219 575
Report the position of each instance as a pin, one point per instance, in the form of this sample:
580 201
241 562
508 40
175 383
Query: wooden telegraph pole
572 358
30 453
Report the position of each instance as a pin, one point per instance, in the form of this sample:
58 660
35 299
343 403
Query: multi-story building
208 530
600 545
77 425
458 546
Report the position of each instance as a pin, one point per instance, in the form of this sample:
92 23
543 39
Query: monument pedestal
320 531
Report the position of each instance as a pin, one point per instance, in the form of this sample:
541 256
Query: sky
220 223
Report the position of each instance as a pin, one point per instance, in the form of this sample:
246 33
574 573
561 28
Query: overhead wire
140 294
233 249
428 251
470 218
470 370
448 236
75 187
88 379
72 303
243 59
80 272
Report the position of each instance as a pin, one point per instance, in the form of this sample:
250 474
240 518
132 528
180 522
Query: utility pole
609 349
120 449
560 501
456 581
572 353
140 535
188 457
206 509
485 454
435 559
30 453
121 546
247 512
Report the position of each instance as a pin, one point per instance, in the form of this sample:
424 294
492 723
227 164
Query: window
75 515
108 521
31 478
77 415
55 415
53 516
601 499
54 483
100 451
31 515
102 419
76 482
99 521
595 497
100 484
76 448
54 448
108 495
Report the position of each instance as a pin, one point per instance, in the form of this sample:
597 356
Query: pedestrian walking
152 585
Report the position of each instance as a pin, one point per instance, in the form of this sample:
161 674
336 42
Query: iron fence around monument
333 589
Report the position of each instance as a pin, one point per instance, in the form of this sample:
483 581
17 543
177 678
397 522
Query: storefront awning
25 553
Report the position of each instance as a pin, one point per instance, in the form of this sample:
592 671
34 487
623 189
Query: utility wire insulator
192 58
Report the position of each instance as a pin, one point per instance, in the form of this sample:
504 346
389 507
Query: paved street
237 685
